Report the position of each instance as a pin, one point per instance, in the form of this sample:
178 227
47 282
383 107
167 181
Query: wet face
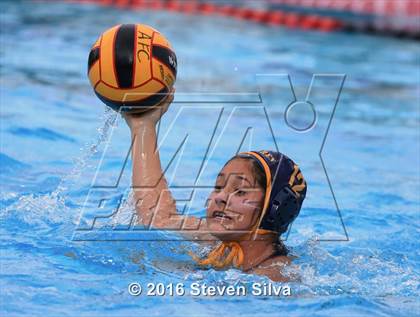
236 201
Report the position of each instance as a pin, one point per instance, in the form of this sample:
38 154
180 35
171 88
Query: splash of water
51 208
108 121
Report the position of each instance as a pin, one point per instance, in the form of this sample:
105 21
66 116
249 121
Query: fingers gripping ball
132 67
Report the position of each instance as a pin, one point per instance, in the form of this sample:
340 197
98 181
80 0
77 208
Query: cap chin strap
256 228
218 259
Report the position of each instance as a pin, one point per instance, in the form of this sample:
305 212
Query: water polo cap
285 190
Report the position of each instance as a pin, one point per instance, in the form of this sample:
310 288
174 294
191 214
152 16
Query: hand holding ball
132 68
150 117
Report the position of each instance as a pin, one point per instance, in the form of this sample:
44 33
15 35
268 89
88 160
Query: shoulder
272 268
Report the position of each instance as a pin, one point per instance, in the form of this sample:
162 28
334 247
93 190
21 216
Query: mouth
221 215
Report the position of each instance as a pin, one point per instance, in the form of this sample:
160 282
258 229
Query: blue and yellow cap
285 190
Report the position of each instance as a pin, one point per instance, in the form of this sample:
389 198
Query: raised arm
154 203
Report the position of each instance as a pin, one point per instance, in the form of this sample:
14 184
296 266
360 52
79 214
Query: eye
217 188
240 192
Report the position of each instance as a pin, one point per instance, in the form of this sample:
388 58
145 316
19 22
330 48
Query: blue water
58 142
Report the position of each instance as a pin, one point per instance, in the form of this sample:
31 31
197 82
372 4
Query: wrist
142 125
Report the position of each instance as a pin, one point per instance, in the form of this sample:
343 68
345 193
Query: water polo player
256 197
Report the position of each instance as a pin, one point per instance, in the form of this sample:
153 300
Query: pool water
58 140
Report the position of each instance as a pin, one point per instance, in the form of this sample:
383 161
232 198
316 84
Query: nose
220 198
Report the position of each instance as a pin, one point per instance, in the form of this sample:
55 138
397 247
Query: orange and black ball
132 67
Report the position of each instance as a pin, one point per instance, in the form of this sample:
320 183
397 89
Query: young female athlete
256 196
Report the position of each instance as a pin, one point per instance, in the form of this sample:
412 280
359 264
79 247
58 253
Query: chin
224 232
215 226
